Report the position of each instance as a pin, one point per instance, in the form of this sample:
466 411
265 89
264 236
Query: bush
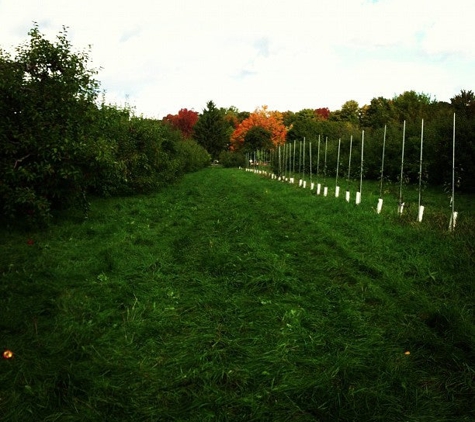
232 159
193 156
154 154
105 172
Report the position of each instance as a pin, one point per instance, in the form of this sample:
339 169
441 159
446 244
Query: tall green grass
237 298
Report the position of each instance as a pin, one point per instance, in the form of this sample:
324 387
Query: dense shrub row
57 144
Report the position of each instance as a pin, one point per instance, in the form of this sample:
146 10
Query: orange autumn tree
272 121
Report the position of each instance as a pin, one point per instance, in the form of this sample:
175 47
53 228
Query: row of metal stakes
324 192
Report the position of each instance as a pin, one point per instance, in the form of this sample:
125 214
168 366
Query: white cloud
288 54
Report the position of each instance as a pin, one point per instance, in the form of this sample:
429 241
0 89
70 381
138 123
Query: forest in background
399 117
229 134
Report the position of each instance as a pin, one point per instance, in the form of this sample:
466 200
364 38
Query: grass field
232 297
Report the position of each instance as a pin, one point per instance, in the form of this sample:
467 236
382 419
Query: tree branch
20 160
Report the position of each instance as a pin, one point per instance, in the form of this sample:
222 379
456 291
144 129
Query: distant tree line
409 107
234 133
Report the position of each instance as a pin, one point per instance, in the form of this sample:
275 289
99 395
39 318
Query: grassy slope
231 297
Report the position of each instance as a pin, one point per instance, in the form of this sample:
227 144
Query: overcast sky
289 54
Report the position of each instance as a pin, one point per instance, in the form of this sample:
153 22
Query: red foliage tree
323 113
184 121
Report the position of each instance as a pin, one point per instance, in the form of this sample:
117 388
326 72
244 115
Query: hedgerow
57 144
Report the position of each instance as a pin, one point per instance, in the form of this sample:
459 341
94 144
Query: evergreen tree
212 131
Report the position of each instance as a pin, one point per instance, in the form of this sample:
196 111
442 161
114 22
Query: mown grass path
231 297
